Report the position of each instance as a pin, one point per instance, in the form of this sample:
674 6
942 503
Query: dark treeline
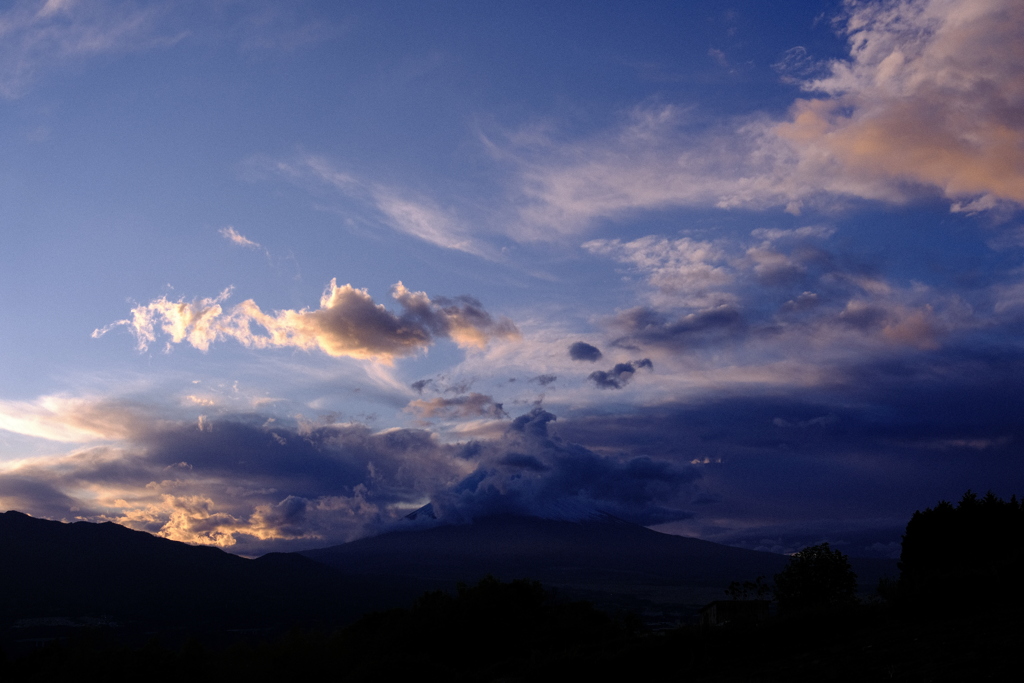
482 632
953 614
968 556
516 632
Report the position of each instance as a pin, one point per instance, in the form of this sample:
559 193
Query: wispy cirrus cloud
75 419
403 211
349 323
926 102
36 36
235 237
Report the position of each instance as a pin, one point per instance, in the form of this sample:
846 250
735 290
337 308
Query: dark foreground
174 611
517 631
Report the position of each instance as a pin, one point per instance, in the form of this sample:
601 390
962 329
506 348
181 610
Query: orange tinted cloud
348 323
928 99
931 94
472 405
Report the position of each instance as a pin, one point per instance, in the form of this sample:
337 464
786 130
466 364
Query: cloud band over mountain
252 484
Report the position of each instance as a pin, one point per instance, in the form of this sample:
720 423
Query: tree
816 577
968 553
749 590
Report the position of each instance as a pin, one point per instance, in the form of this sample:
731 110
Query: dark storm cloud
645 326
584 351
519 461
289 517
36 497
619 376
528 471
252 484
272 454
864 448
246 483
883 440
470 450
802 302
419 385
864 317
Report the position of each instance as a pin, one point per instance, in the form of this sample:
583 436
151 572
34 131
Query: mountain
600 551
591 556
105 571
605 560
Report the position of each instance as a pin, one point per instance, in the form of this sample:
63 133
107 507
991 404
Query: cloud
927 101
929 94
775 266
36 37
472 405
419 385
782 290
775 459
690 272
251 484
240 482
885 436
35 497
426 221
643 326
233 236
584 351
699 274
417 216
348 323
619 376
529 471
75 420
650 163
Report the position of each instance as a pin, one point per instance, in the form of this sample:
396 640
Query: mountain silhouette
601 550
595 554
609 561
52 569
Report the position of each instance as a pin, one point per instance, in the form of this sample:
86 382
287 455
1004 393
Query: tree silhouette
816 577
749 590
965 553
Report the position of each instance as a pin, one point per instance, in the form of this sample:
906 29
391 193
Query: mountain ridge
595 558
57 569
547 550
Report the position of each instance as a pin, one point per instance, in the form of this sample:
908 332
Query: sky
275 275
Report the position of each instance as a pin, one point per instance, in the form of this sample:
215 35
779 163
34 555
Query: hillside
589 557
50 569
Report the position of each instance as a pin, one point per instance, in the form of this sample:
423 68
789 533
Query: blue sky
275 274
